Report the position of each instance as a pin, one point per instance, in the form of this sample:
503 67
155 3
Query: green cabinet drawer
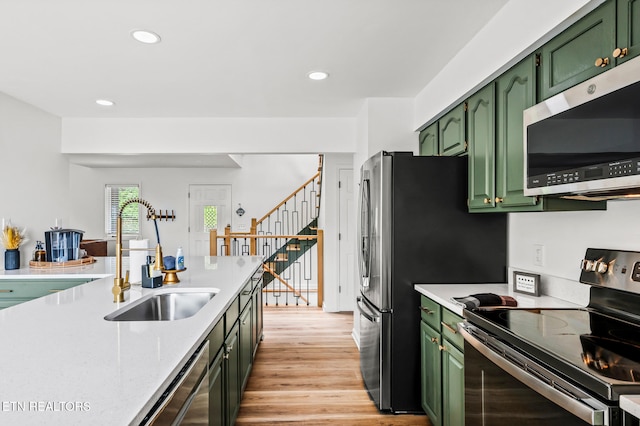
231 316
430 312
245 294
450 328
216 339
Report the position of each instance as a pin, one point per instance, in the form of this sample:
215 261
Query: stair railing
298 280
285 237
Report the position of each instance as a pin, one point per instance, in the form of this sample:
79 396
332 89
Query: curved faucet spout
121 284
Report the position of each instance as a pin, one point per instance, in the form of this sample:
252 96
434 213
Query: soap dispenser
179 259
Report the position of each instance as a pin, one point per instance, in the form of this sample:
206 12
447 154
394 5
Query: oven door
503 387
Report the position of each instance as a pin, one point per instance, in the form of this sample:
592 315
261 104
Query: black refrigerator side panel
436 240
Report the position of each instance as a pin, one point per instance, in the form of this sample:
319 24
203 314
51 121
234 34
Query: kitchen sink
167 306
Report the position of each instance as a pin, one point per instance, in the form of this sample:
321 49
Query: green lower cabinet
232 375
442 367
431 373
13 292
452 385
217 390
246 347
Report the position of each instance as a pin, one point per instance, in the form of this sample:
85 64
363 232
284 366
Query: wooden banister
288 198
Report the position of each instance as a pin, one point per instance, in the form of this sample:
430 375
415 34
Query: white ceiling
227 58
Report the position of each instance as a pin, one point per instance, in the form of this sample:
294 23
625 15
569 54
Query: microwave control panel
599 171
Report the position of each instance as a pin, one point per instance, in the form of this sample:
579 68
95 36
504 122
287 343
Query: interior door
346 246
209 208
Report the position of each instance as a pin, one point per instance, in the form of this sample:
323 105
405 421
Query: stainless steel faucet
121 284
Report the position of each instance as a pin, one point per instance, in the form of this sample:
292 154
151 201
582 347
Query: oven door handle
575 406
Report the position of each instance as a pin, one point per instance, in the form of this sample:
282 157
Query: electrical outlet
538 254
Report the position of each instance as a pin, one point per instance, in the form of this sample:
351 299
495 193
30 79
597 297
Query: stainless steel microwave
585 141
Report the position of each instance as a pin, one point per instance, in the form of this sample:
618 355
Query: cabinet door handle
6 291
602 62
448 327
487 201
620 53
434 340
499 200
426 311
442 348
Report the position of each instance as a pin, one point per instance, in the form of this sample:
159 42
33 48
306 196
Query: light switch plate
524 282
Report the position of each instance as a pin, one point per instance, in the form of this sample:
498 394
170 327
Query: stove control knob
601 267
588 265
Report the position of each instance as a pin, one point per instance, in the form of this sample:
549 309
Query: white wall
34 177
262 182
565 237
207 135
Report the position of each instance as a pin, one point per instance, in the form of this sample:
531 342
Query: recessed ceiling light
318 75
144 36
105 102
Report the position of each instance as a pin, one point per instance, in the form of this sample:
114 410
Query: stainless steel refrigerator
414 227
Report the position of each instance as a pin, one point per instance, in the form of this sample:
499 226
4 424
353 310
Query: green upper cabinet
580 52
451 132
428 141
628 26
481 122
516 91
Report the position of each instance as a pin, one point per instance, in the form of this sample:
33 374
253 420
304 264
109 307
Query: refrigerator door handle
367 315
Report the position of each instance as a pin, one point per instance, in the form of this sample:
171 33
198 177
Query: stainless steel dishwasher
186 400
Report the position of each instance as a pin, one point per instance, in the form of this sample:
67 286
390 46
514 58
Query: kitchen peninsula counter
64 364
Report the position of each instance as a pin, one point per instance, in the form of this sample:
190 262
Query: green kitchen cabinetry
580 52
428 141
628 30
442 364
482 141
217 390
15 291
496 146
608 36
233 343
452 132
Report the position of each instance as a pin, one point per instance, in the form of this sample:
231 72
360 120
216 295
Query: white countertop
62 363
630 404
442 294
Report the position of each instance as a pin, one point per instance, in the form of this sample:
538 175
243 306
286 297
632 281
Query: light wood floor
307 370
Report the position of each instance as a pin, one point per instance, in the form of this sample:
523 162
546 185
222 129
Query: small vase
11 259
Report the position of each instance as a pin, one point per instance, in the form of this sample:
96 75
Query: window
210 218
114 197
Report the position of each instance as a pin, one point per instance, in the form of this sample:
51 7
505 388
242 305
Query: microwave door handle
573 405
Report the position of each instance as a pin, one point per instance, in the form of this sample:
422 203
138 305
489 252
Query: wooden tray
71 263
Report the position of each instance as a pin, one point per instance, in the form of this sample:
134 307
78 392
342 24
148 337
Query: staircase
291 243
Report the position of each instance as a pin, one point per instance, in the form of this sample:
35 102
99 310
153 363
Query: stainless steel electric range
558 366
